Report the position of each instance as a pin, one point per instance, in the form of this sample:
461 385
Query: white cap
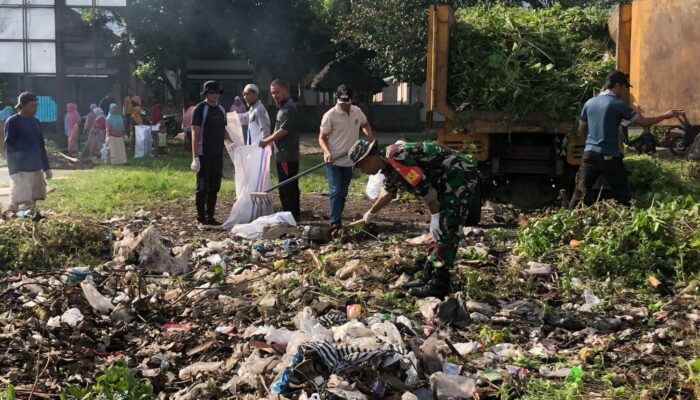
252 87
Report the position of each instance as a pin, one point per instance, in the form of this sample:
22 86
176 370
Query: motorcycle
678 138
171 124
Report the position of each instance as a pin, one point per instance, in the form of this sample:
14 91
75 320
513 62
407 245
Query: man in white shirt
340 128
256 118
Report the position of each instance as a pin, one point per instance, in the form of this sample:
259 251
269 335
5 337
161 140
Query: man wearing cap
286 139
27 160
256 117
599 126
208 136
340 128
448 185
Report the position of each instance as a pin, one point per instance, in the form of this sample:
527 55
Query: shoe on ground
422 279
212 222
438 286
335 228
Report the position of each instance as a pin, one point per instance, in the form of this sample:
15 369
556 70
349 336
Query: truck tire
474 216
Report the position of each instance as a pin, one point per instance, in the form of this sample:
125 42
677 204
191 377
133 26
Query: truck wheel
678 147
474 216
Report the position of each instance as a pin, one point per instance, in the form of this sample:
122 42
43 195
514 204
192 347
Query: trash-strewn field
598 303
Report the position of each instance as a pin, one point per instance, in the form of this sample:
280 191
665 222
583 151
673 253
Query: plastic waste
354 311
447 386
72 317
97 301
281 384
375 183
280 336
193 370
76 275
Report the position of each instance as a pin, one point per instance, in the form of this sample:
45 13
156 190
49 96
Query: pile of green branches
521 60
54 242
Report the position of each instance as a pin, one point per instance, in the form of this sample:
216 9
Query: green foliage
522 60
53 242
116 382
652 179
629 242
9 393
392 32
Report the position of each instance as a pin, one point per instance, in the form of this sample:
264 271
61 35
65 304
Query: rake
262 199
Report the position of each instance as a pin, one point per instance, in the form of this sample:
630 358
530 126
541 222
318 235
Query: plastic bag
72 316
252 166
97 301
375 183
104 152
234 128
143 141
254 230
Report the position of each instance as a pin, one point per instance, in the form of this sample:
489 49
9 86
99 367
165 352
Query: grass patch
148 182
50 243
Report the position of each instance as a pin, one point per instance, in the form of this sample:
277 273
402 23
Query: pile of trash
289 318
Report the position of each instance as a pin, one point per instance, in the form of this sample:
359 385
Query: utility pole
61 140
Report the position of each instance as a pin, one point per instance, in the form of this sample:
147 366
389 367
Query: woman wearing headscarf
156 114
238 106
99 128
70 124
89 119
115 136
4 115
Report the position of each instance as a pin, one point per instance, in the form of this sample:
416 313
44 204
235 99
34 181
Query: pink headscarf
89 118
238 106
72 117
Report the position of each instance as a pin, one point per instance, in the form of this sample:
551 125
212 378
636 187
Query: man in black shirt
107 101
208 135
286 138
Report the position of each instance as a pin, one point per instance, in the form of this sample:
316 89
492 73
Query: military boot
423 277
438 286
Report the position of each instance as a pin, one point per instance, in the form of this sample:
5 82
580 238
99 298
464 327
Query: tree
393 34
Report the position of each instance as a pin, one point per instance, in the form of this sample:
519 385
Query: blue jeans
338 183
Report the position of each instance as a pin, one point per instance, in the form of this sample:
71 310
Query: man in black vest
208 136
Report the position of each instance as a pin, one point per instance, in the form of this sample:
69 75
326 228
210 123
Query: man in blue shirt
599 125
27 160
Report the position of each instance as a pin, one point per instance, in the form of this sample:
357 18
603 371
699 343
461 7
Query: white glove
369 217
195 164
435 226
48 174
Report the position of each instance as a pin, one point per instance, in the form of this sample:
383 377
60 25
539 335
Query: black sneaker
438 286
212 222
201 220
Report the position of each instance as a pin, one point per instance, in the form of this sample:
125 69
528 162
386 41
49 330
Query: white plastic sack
252 166
255 229
375 183
143 144
97 301
234 128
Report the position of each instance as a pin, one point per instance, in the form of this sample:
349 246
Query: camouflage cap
360 150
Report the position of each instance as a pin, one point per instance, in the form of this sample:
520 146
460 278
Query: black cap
211 86
344 94
616 77
24 98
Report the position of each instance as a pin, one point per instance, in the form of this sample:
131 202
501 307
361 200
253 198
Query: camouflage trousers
456 194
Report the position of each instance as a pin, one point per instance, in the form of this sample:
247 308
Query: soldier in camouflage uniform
444 180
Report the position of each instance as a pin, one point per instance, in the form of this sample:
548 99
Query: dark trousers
289 193
612 169
208 184
338 183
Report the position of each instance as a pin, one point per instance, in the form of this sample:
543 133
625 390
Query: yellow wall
665 57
